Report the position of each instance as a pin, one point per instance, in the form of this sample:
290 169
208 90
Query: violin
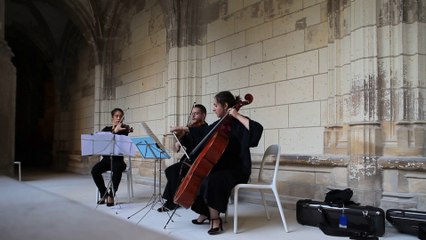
196 124
179 134
126 127
214 144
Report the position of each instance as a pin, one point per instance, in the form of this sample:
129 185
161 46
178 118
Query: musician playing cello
233 167
189 141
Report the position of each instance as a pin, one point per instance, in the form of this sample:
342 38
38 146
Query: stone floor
62 206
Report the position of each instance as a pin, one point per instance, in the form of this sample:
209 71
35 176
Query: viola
127 127
217 140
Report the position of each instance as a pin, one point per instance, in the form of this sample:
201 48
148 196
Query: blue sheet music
149 148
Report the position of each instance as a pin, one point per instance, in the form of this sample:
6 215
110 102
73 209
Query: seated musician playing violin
175 172
233 166
118 164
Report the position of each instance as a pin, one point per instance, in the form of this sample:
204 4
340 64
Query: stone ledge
384 162
399 195
326 161
405 163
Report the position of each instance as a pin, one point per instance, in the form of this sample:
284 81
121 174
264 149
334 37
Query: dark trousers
174 174
118 166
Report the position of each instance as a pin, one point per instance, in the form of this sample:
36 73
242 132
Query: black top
123 132
237 156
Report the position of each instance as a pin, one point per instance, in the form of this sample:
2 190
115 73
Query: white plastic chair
272 153
128 173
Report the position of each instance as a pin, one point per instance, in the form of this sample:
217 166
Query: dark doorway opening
35 103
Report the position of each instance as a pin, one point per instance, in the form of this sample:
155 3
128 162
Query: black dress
233 167
118 166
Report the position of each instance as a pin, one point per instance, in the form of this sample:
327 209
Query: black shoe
168 206
216 230
110 199
196 222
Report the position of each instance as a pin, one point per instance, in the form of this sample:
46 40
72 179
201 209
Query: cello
217 140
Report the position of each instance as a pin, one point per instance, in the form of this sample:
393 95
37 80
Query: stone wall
338 84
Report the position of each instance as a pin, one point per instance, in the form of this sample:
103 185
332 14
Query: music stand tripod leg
114 194
170 218
156 197
151 200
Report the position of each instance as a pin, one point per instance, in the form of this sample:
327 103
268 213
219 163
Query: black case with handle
362 222
408 221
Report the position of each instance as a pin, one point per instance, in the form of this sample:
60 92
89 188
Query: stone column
364 176
7 101
354 98
376 74
186 28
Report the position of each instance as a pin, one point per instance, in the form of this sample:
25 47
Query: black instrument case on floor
361 221
408 221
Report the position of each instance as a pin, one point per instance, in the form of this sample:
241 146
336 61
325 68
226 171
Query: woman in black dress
233 167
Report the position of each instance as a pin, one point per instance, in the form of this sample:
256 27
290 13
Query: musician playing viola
233 167
176 171
118 164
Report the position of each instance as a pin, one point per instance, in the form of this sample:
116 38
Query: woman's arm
245 121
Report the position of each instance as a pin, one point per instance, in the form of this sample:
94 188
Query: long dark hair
227 97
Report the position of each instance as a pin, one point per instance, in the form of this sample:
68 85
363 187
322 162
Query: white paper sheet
106 143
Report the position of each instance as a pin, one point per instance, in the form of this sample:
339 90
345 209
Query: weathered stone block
264 95
279 119
258 33
416 183
247 55
220 63
229 43
390 180
234 79
320 87
273 48
302 140
220 28
295 91
309 117
266 72
316 37
302 65
250 16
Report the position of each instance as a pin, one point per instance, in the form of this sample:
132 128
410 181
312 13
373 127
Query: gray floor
62 206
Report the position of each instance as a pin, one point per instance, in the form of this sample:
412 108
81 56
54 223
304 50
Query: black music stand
107 144
151 148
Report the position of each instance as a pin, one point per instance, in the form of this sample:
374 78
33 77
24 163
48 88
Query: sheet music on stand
151 148
106 143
